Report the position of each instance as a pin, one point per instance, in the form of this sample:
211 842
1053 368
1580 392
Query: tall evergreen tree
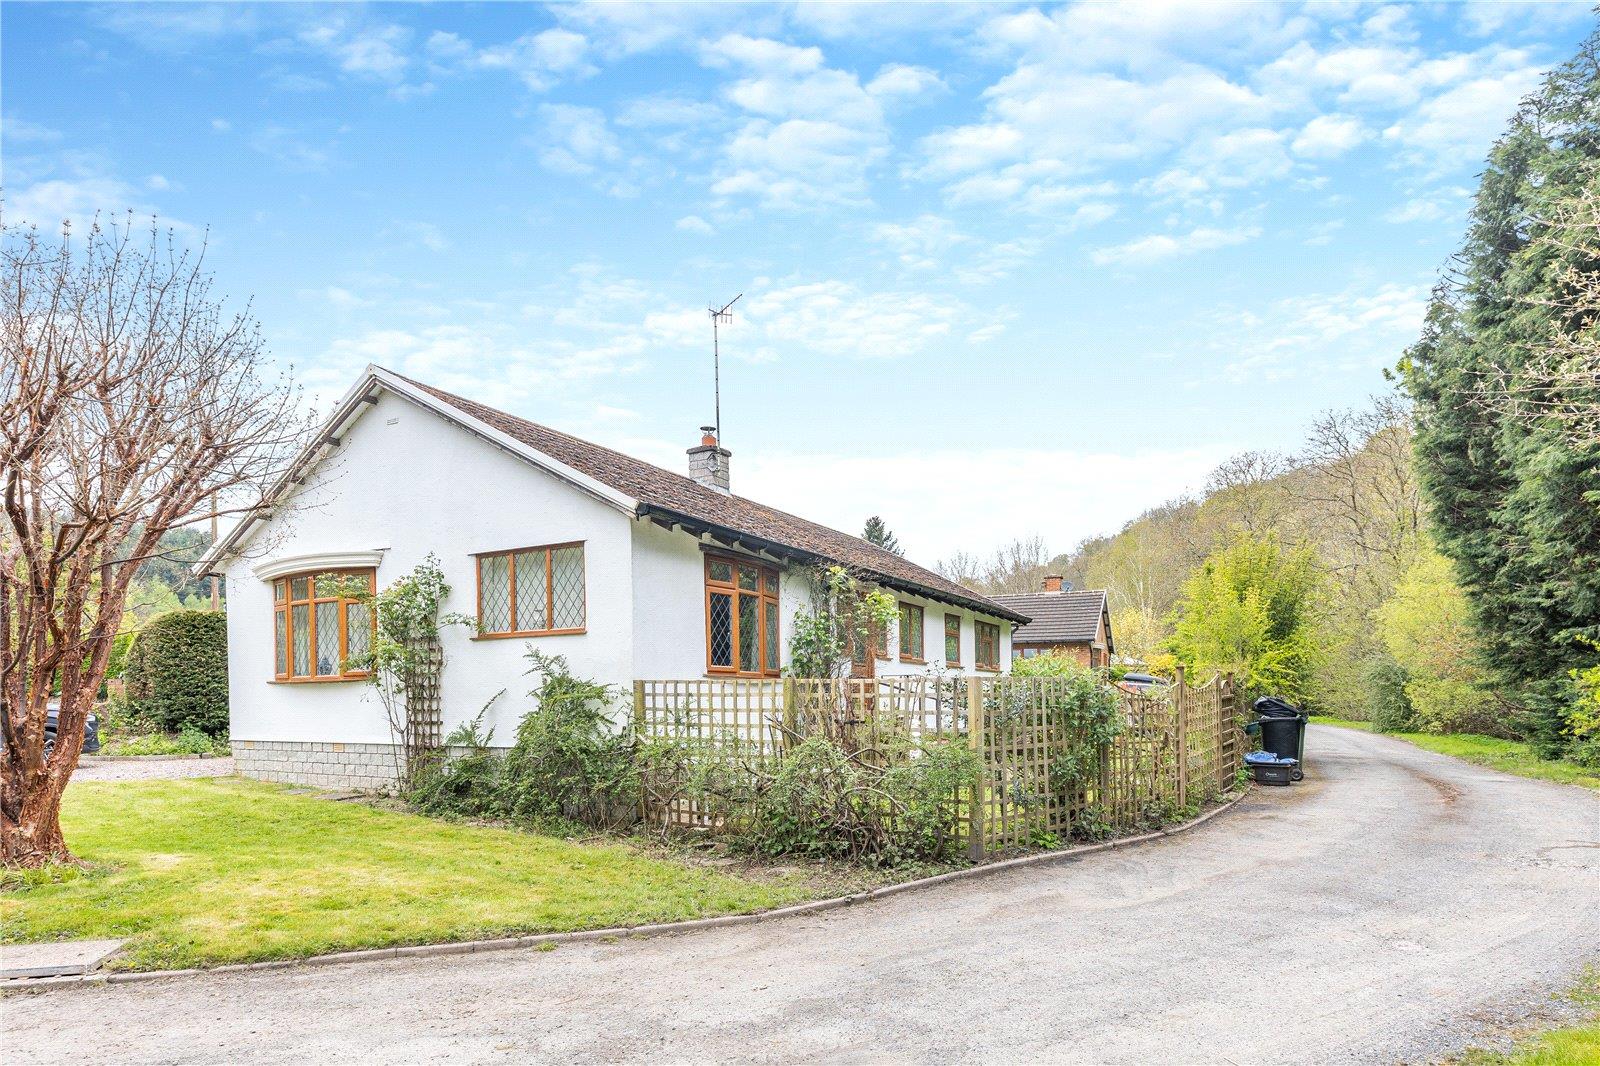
878 533
1515 498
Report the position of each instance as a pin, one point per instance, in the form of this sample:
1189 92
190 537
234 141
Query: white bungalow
626 569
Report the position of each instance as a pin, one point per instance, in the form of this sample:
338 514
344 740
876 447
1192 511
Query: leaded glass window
318 626
771 660
911 632
986 637
358 630
300 625
327 638
952 640
742 631
721 635
566 587
531 591
280 637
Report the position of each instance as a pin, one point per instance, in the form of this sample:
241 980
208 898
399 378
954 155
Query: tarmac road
1396 906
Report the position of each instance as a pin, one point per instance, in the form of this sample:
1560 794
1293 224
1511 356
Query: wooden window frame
549 591
285 606
767 591
922 630
978 629
948 660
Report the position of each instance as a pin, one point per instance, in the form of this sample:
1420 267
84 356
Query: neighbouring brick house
1063 622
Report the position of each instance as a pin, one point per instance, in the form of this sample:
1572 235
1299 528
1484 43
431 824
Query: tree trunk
35 838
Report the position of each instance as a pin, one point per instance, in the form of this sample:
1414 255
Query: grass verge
213 871
1573 1045
1507 756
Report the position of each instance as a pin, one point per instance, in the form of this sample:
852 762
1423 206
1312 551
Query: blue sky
1007 270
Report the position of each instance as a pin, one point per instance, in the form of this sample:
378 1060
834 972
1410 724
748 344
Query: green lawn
205 872
1509 756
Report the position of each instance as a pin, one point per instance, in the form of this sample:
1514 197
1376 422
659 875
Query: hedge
177 672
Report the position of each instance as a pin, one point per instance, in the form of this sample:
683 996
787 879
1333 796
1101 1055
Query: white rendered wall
408 482
411 482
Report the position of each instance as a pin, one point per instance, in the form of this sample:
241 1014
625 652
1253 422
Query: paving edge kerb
467 947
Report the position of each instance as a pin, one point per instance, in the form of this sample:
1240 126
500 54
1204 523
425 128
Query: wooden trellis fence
1041 779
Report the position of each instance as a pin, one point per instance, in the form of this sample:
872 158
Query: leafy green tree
1426 626
1515 494
1251 608
877 533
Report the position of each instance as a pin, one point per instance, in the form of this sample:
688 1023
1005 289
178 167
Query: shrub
1252 607
188 742
570 759
466 779
1388 707
177 672
825 803
1426 625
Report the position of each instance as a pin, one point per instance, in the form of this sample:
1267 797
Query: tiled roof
1058 617
673 496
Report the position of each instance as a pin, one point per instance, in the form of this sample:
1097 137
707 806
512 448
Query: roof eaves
973 603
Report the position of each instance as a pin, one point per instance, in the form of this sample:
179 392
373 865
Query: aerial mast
719 315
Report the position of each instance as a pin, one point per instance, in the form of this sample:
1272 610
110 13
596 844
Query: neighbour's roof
1058 617
676 497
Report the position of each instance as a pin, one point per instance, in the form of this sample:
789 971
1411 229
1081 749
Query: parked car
1142 682
91 730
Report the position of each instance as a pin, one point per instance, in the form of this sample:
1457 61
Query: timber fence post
1181 703
977 742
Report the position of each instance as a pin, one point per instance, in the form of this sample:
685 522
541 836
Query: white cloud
289 149
1161 246
836 318
424 234
1330 136
1324 334
1323 232
1417 209
18 129
49 203
694 224
221 125
900 80
541 60
930 243
1091 492
813 132
372 51
578 141
1457 127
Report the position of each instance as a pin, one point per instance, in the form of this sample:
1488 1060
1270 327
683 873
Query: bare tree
1249 488
1359 489
1015 567
129 399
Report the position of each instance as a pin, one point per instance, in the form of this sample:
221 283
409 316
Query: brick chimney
1053 583
708 464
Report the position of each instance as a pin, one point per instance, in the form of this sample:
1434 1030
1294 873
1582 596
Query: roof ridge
888 560
454 398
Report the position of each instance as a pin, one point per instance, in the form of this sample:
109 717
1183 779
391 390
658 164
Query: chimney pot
708 436
1052 583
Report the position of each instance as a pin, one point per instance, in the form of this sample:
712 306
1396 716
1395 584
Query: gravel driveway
1394 907
93 768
